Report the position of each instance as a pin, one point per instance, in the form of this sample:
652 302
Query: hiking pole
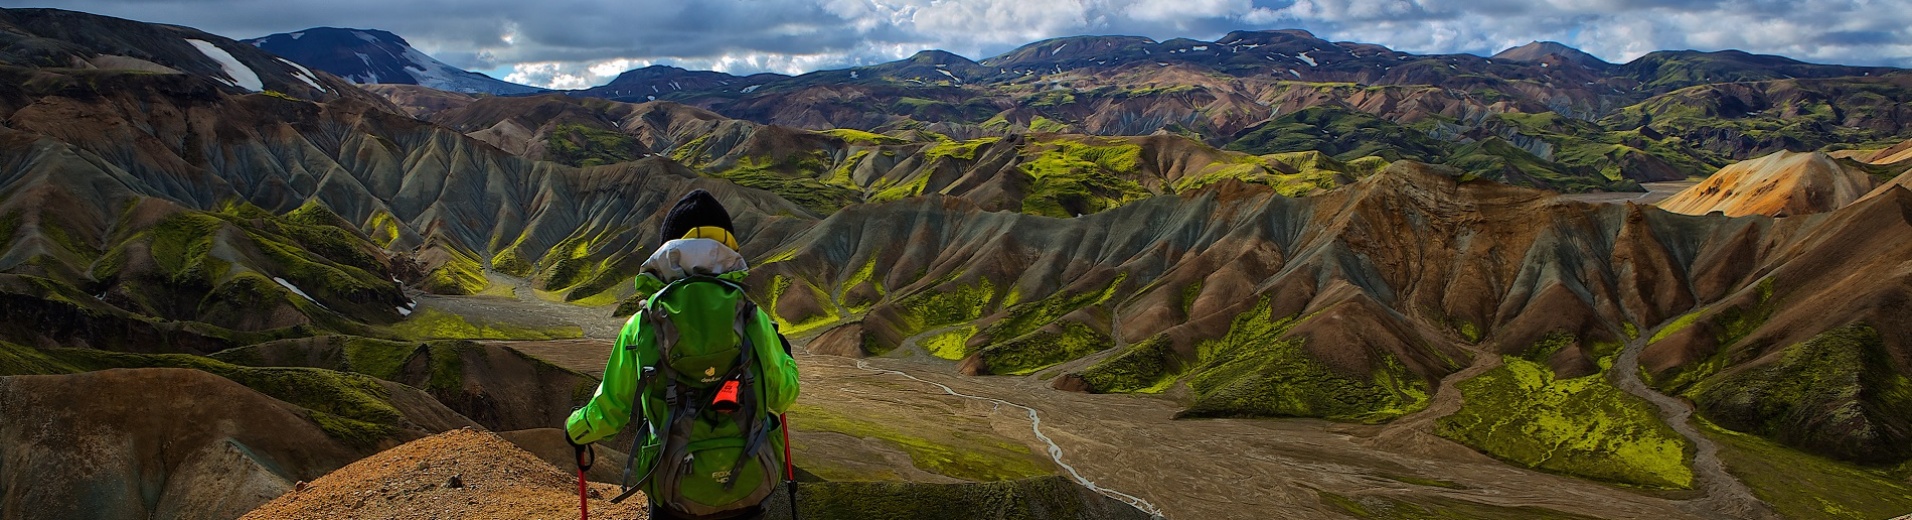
789 470
584 500
584 494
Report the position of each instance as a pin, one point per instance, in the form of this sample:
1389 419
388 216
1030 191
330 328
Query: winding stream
1035 425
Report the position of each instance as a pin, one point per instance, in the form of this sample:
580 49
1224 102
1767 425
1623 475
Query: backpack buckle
726 399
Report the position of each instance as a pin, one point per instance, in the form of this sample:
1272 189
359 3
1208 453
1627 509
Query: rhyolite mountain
1542 114
367 56
1665 115
168 217
1551 53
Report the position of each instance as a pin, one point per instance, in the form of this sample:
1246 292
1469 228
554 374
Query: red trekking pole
789 470
584 500
584 494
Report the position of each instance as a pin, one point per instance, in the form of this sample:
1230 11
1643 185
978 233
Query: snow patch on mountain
304 74
295 289
241 75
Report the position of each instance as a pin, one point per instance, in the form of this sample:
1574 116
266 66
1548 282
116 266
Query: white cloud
571 43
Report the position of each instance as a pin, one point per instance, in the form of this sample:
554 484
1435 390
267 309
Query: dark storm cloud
574 43
1858 37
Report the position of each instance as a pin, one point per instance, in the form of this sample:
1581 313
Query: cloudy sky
581 43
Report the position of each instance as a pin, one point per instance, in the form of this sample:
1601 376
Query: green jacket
610 409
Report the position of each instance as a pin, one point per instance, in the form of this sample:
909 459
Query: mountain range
373 56
1268 225
1543 114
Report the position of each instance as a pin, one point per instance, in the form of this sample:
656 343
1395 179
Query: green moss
1836 395
339 269
1582 427
1027 317
694 153
858 137
1051 98
377 358
1254 371
1342 133
1043 124
66 239
1678 324
382 229
1547 346
21 360
1366 166
427 324
781 286
865 274
795 178
351 431
1151 366
181 245
963 150
461 274
1804 486
1043 349
912 186
1071 177
1469 331
951 344
941 306
1189 295
575 260
580 145
974 459
1495 158
1729 325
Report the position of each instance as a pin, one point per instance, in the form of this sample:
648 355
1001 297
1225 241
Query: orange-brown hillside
466 474
1783 183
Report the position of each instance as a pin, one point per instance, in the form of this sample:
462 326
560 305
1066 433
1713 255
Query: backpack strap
643 422
748 400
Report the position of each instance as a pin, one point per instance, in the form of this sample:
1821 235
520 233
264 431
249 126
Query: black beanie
697 209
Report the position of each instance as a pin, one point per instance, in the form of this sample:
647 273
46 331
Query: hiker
713 371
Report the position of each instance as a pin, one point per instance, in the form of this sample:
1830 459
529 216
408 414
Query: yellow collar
714 233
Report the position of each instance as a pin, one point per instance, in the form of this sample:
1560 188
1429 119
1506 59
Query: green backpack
710 455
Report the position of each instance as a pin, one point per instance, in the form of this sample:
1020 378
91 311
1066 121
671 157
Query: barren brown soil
465 474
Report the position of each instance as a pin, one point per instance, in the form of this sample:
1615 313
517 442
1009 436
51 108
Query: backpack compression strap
748 400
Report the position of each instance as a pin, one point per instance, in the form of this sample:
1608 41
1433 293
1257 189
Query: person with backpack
701 373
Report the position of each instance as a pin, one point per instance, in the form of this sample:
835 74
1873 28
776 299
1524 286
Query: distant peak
370 35
1253 36
938 56
1539 50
